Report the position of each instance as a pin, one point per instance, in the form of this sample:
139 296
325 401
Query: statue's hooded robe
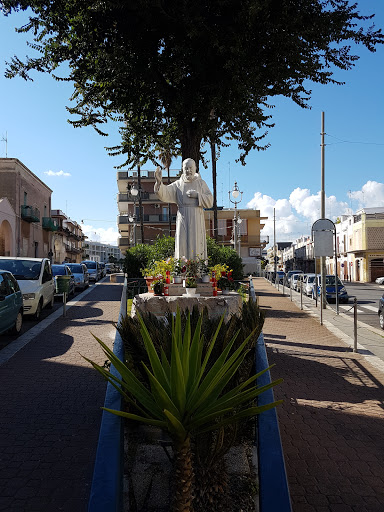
190 237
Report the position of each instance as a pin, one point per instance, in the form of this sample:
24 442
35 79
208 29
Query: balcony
30 214
123 242
150 219
50 224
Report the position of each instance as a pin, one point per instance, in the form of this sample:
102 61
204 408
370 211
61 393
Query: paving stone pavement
50 415
332 419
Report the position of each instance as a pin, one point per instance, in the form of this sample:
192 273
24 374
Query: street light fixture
134 192
234 194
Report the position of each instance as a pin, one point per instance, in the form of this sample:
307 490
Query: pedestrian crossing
362 308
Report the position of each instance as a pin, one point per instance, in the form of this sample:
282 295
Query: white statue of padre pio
191 194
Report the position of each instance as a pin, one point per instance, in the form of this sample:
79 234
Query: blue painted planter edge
274 492
107 483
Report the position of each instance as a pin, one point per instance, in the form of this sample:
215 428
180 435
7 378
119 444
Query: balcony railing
123 241
50 224
151 219
30 214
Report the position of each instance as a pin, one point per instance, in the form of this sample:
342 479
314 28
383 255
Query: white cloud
105 236
370 195
295 216
58 173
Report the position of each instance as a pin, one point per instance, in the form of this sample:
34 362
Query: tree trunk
169 207
190 143
214 184
140 204
183 477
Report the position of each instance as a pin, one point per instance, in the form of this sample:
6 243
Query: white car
308 282
380 280
35 279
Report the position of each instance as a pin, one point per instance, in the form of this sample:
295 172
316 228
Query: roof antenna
5 139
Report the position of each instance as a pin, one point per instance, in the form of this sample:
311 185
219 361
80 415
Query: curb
107 483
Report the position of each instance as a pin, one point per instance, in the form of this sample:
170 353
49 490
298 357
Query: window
243 229
3 287
222 226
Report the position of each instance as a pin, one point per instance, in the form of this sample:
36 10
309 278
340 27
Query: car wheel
381 320
38 310
51 303
18 323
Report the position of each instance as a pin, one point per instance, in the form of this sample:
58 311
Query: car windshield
58 270
76 269
311 279
91 265
330 281
22 269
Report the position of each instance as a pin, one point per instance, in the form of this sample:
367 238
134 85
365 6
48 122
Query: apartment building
97 251
26 226
241 230
136 189
68 239
360 246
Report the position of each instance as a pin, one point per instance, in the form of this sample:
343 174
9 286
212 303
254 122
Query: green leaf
135 417
161 396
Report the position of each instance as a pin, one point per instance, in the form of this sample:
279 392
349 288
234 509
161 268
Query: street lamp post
234 194
132 218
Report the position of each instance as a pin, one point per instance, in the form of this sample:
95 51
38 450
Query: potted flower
204 270
179 268
190 285
158 287
192 268
225 282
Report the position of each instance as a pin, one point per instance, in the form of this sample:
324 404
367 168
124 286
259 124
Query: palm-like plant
183 396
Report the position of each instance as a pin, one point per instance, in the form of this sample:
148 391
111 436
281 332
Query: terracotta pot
149 280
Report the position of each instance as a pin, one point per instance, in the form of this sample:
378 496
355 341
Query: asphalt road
29 321
367 295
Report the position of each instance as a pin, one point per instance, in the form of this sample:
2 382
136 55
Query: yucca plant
183 398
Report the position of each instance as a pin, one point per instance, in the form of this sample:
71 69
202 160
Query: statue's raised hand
158 175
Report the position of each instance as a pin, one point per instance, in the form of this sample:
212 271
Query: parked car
81 275
330 289
308 282
11 304
289 274
64 270
295 281
380 280
35 279
103 270
280 275
381 311
109 268
93 270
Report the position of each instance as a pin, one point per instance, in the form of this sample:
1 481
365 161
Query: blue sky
287 177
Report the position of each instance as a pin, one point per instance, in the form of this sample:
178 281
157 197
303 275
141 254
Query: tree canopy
190 69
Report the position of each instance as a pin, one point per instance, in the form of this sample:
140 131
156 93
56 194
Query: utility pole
322 211
274 243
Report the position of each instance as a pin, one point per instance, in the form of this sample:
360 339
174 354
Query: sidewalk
332 418
50 407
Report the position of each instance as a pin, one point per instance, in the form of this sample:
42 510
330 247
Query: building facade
155 214
103 253
26 226
360 246
244 236
68 239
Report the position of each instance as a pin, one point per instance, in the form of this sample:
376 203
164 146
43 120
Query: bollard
290 292
355 324
64 304
283 287
112 278
301 295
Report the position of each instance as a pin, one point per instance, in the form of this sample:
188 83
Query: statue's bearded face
189 169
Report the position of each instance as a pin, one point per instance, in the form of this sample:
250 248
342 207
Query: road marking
350 309
371 308
10 350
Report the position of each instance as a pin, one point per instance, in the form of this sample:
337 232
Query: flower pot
205 278
225 291
149 281
177 279
190 291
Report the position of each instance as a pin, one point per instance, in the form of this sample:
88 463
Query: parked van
36 282
94 270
